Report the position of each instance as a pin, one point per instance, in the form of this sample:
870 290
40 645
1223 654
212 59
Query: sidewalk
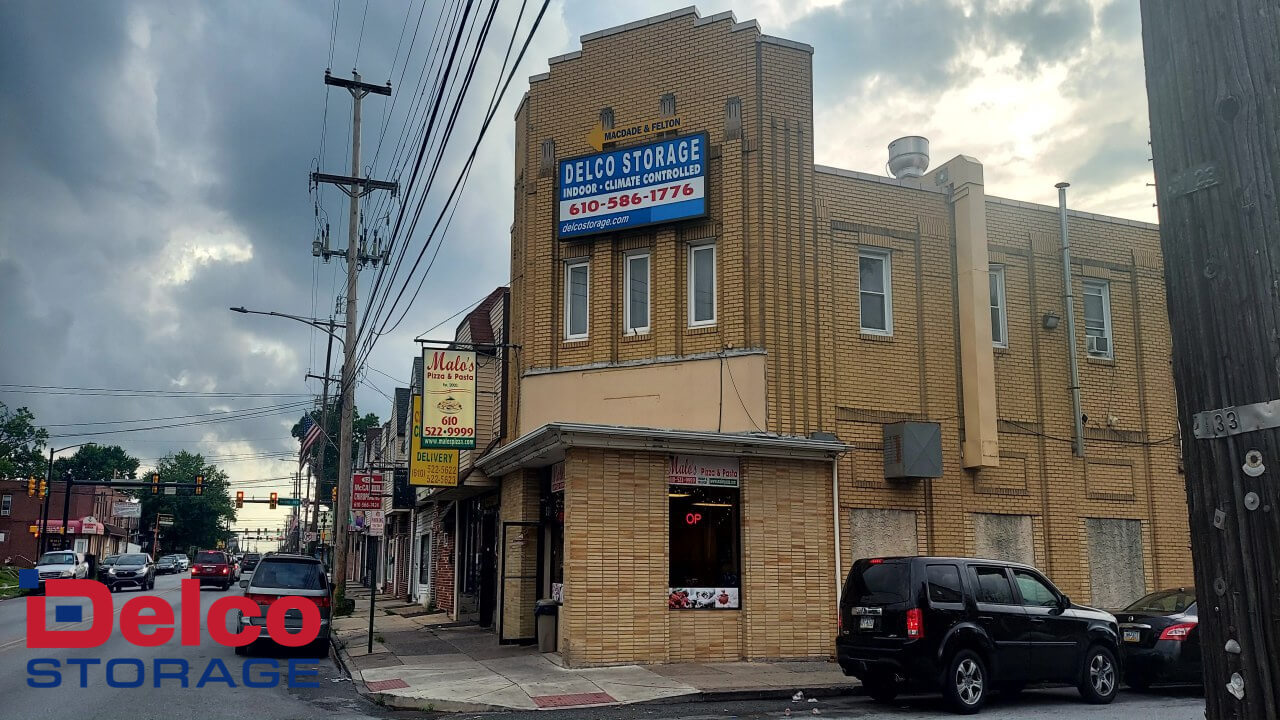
424 662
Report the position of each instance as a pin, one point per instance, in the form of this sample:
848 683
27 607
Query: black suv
967 626
250 561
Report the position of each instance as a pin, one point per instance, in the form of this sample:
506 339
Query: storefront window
706 566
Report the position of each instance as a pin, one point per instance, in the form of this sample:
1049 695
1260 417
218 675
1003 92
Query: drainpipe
1077 413
835 523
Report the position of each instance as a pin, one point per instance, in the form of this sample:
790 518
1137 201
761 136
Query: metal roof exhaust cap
909 156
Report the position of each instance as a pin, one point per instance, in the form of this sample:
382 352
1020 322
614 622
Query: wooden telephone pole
1213 81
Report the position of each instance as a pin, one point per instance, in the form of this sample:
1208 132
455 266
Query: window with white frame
875 292
1097 318
999 320
635 304
576 294
702 285
6 505
4 536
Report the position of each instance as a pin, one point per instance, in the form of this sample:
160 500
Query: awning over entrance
546 445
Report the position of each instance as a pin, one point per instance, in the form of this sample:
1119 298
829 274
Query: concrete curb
401 702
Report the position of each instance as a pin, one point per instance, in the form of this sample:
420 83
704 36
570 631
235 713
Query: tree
21 444
198 520
330 449
96 462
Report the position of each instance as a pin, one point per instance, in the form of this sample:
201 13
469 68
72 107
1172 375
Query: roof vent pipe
909 156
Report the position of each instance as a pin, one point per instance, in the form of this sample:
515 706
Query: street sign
598 135
310 537
171 491
377 520
164 520
126 509
366 492
289 502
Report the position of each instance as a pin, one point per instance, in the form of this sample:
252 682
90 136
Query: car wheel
881 688
1099 680
965 686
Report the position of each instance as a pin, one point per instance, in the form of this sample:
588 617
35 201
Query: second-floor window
1097 318
875 292
636 303
999 320
576 290
702 285
6 505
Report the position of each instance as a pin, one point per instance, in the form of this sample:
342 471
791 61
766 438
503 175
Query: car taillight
322 602
1177 632
915 624
876 561
226 570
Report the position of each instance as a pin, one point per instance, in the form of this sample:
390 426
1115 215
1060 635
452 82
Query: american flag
311 431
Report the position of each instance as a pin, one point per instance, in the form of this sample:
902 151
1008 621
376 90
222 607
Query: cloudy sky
156 158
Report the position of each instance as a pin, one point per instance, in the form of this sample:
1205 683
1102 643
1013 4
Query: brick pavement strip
572 700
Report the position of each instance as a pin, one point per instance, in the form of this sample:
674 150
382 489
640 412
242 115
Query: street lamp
66 498
328 326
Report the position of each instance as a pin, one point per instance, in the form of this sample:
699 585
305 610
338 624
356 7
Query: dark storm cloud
918 44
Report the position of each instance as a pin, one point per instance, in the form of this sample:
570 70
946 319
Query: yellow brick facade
787 237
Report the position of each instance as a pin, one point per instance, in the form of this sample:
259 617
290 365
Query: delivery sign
148 621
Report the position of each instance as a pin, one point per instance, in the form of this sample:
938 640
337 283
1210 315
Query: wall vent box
912 450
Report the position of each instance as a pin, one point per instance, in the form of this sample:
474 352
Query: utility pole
1214 98
355 187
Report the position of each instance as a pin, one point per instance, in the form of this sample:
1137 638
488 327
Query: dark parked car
167 565
129 570
250 562
1159 642
967 627
212 567
281 575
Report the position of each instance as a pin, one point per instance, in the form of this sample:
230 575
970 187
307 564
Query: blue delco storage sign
659 182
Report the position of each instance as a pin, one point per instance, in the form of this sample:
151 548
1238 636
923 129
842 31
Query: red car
213 567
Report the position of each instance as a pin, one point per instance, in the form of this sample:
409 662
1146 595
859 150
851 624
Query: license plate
866 623
1132 636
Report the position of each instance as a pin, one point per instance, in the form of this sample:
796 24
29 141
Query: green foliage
330 449
21 444
199 521
96 462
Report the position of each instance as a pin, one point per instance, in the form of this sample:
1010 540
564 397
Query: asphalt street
1058 704
334 698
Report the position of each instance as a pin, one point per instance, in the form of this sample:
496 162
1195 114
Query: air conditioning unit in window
1098 345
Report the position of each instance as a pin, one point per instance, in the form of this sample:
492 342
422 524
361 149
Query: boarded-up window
1003 537
875 532
1116 575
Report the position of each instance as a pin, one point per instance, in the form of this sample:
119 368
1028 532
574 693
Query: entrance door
488 566
424 568
520 555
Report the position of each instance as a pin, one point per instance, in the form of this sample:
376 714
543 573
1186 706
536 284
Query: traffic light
44 489
155 483
199 484
334 493
274 498
239 499
31 487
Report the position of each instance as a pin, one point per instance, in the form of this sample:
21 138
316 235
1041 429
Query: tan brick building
697 408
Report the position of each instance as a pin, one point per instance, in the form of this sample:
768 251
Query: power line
372 338
210 421
360 40
124 392
170 417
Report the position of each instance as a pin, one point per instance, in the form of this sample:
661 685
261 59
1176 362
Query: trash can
546 612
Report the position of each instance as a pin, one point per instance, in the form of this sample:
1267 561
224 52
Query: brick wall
788 237
442 558
617 565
